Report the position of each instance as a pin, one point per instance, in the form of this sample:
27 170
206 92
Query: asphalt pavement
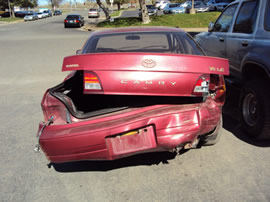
31 54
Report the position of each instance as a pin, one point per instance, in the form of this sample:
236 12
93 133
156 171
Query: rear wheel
255 109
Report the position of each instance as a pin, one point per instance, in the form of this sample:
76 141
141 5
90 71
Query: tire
65 26
210 140
255 109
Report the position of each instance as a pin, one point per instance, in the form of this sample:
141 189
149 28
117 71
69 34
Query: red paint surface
172 125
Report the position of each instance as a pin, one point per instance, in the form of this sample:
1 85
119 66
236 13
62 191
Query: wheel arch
253 70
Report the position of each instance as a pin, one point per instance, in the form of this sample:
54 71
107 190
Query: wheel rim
250 109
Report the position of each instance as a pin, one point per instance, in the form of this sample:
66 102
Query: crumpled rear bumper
156 128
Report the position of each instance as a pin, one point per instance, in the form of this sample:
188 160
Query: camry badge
148 63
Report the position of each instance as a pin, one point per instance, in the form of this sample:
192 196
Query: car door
214 42
243 33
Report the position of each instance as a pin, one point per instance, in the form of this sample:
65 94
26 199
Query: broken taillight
217 88
202 86
91 83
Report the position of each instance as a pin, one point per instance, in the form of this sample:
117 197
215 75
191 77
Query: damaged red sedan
130 91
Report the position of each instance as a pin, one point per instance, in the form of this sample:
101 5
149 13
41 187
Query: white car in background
30 16
161 4
40 15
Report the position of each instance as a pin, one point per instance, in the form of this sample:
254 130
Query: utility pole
192 10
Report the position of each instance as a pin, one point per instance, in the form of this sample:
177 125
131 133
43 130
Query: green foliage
179 20
115 14
20 3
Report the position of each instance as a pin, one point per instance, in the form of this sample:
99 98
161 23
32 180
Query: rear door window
246 19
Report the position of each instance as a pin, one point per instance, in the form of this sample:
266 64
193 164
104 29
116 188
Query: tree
105 10
118 3
55 3
145 16
9 4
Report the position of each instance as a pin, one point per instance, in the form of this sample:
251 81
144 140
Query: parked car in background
5 14
170 6
73 20
93 13
161 4
30 16
215 5
178 10
45 14
57 12
20 14
131 91
40 15
152 10
199 7
48 13
242 34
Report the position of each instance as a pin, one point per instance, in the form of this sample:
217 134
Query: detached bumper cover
155 128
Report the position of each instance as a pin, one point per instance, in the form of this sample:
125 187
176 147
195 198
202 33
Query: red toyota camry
130 91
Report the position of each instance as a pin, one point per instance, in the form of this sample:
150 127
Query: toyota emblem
148 63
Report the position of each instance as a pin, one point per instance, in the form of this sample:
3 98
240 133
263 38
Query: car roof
73 15
137 29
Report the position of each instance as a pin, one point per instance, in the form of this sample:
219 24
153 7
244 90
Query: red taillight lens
65 21
91 83
77 21
202 86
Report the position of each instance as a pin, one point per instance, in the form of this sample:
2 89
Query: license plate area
132 141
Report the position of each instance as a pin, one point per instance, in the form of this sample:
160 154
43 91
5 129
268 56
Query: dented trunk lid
146 73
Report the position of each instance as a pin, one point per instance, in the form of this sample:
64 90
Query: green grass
10 19
115 14
179 20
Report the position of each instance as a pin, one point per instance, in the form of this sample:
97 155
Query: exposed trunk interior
82 105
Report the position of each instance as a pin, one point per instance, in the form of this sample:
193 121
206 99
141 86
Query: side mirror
211 27
78 52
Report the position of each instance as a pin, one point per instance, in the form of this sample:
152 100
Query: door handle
245 43
221 39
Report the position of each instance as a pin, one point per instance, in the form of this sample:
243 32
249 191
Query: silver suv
242 34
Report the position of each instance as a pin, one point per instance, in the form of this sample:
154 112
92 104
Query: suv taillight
91 83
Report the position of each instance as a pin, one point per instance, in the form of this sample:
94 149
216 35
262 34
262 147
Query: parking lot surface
31 54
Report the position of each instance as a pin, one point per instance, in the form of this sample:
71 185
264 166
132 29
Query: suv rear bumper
159 128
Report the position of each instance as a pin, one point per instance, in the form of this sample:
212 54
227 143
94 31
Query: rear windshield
92 9
72 17
175 42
